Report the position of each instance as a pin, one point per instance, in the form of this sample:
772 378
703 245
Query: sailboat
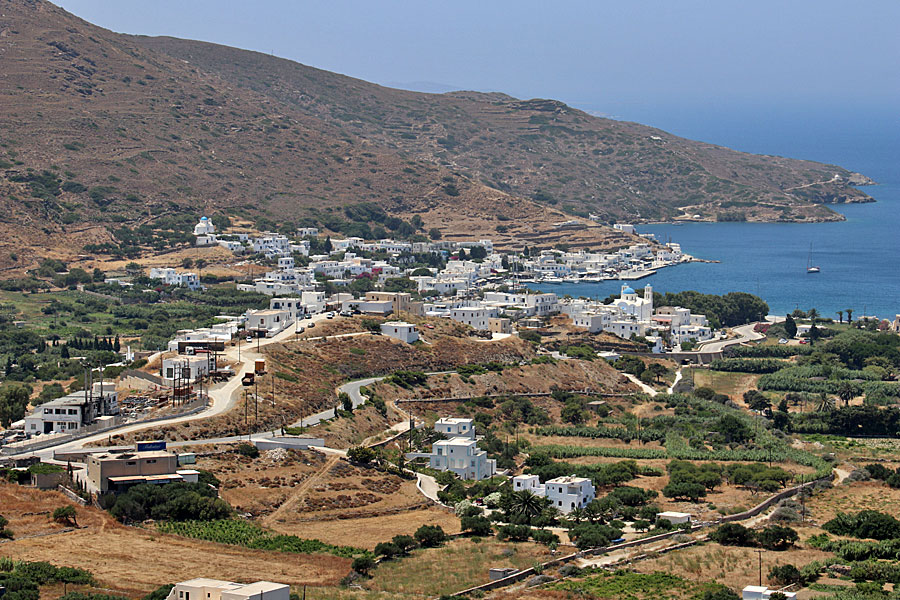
811 268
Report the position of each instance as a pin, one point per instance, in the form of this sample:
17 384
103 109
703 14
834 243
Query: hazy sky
609 57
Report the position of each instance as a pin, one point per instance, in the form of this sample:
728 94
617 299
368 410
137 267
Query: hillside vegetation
103 133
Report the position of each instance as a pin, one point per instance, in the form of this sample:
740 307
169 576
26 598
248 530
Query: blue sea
859 258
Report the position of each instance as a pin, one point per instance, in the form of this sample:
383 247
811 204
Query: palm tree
846 392
526 503
840 315
849 312
813 314
576 515
825 404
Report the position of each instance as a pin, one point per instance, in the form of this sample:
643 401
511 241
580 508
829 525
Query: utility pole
760 553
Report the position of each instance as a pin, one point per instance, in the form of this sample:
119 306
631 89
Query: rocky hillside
102 134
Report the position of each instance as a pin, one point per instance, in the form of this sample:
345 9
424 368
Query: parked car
311 325
782 341
249 338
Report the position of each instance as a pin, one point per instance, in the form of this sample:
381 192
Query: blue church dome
628 290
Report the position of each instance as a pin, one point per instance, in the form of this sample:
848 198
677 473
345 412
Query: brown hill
102 133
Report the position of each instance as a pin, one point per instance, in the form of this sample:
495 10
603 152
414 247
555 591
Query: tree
434 233
658 370
849 312
13 401
477 525
5 534
526 504
733 534
790 327
684 491
846 392
346 401
66 515
573 412
785 574
825 403
840 315
813 314
363 564
404 542
777 537
723 593
361 454
814 334
388 550
430 536
757 401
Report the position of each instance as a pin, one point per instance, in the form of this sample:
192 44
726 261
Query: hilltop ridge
102 131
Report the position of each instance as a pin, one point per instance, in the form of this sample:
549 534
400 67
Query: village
429 411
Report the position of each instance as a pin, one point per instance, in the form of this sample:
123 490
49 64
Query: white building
455 427
400 330
476 316
270 322
761 592
624 227
70 413
189 368
205 232
565 493
272 245
462 456
170 276
531 483
213 589
630 304
570 492
675 518
293 306
313 301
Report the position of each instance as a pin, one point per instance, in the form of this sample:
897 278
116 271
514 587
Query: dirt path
302 489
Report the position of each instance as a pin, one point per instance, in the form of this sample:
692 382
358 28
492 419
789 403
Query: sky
628 59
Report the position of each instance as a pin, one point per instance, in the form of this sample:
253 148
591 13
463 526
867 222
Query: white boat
553 280
811 268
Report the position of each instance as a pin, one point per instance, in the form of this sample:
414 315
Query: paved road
223 396
744 333
674 383
644 387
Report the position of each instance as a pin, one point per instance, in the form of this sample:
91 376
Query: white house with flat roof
462 456
477 317
400 330
271 321
570 492
214 589
675 518
455 427
531 483
761 592
170 276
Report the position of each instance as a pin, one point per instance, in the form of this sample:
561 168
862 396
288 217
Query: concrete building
189 368
475 316
400 301
455 427
108 472
400 330
462 456
74 411
213 589
205 232
500 325
568 493
268 322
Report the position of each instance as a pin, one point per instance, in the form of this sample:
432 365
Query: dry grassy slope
163 134
609 167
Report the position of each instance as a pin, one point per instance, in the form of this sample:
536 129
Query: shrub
544 536
248 450
864 524
404 542
361 454
733 534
